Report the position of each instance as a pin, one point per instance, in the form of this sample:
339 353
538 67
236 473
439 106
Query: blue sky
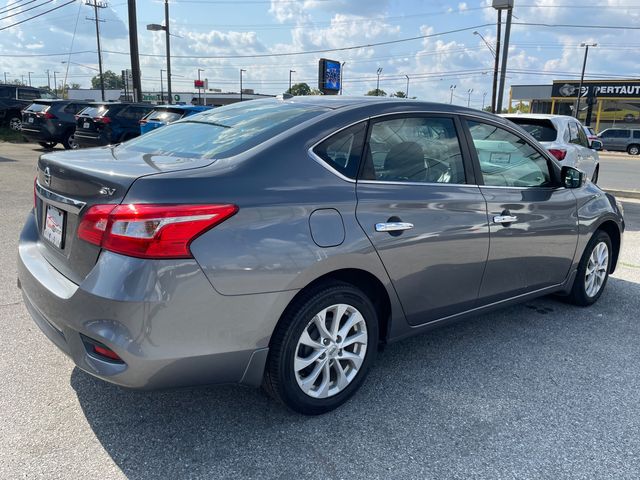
218 28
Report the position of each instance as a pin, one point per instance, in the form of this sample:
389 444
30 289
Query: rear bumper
39 135
163 318
85 140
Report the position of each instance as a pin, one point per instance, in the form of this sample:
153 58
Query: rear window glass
542 130
165 115
225 131
26 94
37 107
94 111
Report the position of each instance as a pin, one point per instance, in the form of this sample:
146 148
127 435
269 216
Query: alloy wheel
15 124
634 150
330 351
596 272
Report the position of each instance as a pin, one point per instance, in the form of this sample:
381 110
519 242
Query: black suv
49 122
105 123
13 99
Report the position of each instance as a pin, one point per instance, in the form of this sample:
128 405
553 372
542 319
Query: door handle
393 226
505 219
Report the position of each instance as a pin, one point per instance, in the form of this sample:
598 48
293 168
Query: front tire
69 142
15 123
322 349
593 271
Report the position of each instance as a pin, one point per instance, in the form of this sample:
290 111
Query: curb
624 193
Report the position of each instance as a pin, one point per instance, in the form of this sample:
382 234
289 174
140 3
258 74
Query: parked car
164 114
565 139
616 114
621 140
105 123
13 99
263 243
49 122
591 135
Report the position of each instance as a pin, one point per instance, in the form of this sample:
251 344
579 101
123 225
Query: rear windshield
37 107
94 111
541 130
225 131
166 115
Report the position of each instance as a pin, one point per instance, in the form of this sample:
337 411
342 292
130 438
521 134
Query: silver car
565 138
281 242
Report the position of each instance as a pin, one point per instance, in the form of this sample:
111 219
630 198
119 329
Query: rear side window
226 131
636 134
541 130
73 108
27 94
414 149
7 92
343 150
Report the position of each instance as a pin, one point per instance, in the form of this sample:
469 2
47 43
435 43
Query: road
541 390
619 171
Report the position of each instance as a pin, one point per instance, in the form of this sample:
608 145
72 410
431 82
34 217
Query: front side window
506 160
415 149
26 94
343 150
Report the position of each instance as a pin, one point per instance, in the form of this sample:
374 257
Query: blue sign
330 76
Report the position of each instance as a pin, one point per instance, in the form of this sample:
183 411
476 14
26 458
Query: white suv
564 137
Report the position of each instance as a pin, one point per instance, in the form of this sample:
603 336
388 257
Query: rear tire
315 365
69 142
633 149
15 122
47 145
593 271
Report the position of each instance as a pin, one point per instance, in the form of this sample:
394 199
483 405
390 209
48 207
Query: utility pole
48 79
496 65
378 72
406 93
29 73
22 79
484 96
584 66
166 31
133 49
161 88
55 83
290 72
96 5
241 71
469 92
452 88
5 77
199 88
506 5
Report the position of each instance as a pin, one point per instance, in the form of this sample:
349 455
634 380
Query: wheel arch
366 281
611 228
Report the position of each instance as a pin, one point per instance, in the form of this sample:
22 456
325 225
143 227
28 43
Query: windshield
225 131
541 130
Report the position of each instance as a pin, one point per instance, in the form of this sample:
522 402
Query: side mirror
596 145
572 177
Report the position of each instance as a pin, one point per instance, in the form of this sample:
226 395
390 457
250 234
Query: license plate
30 120
85 125
54 226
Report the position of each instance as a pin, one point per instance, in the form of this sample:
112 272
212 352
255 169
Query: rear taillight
46 115
150 231
103 120
558 153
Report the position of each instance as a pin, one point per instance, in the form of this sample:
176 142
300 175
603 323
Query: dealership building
603 103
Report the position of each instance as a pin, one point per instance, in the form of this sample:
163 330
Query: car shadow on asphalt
501 386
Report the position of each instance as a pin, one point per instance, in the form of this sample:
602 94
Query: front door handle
505 219
393 226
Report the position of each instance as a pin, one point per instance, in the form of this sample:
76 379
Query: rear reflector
558 153
150 231
106 352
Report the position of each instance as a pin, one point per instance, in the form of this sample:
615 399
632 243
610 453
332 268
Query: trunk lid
33 115
68 183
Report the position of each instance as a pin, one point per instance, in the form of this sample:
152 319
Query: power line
38 15
569 25
5 9
26 10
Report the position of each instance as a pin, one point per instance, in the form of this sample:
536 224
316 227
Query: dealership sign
621 89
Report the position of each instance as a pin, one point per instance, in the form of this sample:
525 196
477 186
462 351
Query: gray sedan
281 242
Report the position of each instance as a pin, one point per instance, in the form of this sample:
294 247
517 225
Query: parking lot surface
540 390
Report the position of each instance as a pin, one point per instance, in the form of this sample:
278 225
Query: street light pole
584 66
29 73
505 55
55 83
469 92
166 31
379 71
242 70
496 65
48 79
161 87
452 88
406 93
484 96
199 88
290 72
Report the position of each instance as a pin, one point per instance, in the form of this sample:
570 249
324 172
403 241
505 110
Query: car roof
183 107
537 116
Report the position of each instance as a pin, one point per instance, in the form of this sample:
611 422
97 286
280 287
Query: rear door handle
505 219
393 226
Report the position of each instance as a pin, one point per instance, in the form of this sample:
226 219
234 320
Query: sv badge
107 191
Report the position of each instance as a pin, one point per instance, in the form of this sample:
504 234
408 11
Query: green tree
376 93
315 91
300 89
399 94
111 80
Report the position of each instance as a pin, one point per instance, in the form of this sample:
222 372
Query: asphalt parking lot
541 390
